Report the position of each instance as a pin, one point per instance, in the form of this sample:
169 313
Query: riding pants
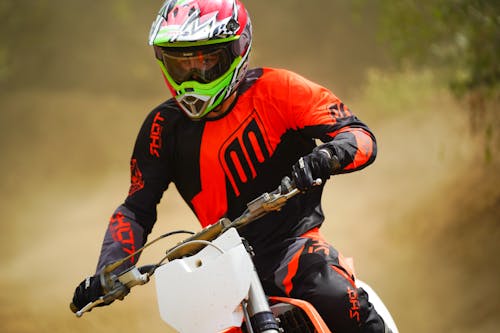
309 268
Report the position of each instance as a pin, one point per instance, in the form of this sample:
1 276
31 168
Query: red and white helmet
202 47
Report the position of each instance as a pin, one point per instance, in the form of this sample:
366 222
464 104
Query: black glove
87 291
321 163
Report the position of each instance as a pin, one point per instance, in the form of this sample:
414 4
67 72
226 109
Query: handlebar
117 287
265 203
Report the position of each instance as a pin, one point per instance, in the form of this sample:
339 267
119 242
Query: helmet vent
232 25
193 106
168 8
190 99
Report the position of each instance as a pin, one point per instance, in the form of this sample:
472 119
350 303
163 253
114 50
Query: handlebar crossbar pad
207 234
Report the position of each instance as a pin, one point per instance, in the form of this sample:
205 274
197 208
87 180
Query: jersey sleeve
123 237
149 178
319 114
150 173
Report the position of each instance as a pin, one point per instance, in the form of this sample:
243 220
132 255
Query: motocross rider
230 133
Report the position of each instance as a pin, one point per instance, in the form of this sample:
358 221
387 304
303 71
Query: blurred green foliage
462 37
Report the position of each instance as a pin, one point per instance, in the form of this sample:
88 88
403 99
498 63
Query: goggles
201 64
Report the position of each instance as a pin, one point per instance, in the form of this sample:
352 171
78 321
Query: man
230 134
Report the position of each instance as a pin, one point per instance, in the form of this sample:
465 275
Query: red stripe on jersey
256 147
239 168
211 203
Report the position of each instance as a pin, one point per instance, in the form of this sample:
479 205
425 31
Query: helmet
202 47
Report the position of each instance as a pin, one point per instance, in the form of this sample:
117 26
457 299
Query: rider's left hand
320 164
87 291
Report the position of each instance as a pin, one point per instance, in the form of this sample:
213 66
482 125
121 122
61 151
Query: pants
310 269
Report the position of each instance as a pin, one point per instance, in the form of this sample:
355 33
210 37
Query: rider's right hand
87 291
321 163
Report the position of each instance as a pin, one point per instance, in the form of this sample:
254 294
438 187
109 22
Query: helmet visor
199 64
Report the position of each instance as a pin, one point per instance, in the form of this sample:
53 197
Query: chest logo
243 152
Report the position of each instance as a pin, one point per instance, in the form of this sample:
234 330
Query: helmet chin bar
194 105
197 106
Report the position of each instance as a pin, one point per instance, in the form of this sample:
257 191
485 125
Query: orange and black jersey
218 165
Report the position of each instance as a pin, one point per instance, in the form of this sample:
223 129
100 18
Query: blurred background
77 79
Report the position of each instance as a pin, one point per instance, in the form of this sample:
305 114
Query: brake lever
89 307
287 185
119 292
277 199
117 287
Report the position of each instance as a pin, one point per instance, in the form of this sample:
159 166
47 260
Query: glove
87 291
321 163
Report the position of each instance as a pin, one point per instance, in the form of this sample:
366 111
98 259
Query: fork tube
258 308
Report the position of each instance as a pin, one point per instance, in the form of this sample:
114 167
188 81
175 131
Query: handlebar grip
73 307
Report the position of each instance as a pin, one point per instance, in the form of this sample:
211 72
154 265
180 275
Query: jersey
218 165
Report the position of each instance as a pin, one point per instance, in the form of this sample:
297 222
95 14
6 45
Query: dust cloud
77 79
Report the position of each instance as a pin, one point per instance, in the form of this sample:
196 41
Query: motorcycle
211 274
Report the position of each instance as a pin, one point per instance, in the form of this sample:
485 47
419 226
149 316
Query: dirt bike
208 282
